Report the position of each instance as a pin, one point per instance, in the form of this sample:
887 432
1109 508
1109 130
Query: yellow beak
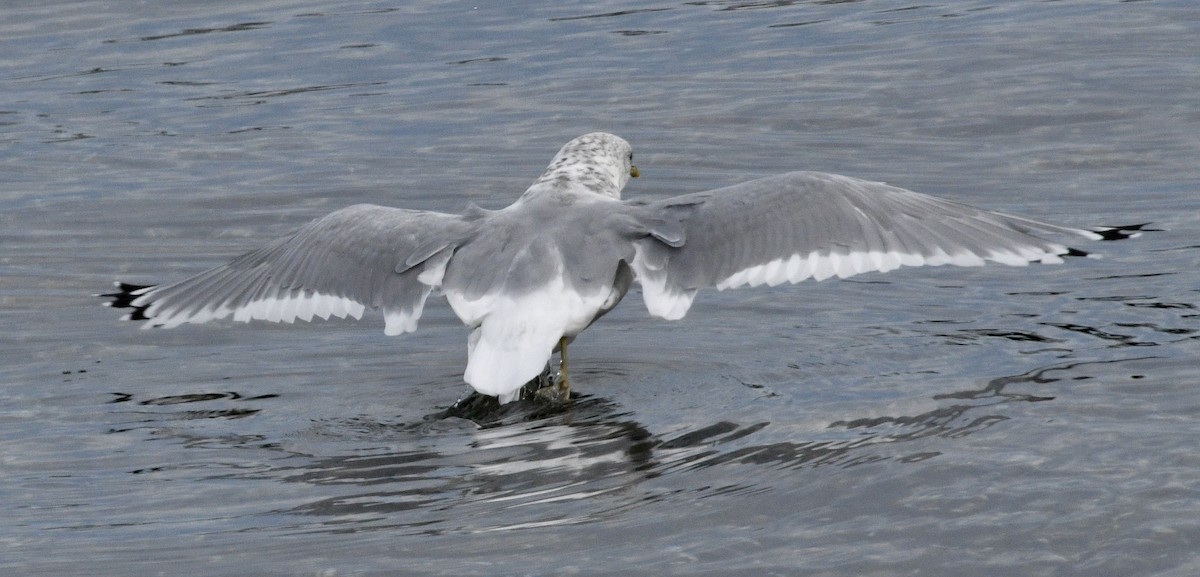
633 171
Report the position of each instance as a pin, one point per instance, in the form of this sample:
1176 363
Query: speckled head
596 162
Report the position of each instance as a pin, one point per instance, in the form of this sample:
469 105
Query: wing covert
338 265
801 225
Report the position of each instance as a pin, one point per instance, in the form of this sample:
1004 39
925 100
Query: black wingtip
123 299
1123 232
1114 233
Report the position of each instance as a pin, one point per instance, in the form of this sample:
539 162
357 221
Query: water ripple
531 464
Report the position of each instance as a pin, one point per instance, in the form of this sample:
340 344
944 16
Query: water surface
995 421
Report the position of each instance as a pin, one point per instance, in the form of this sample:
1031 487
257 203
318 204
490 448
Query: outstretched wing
801 225
360 256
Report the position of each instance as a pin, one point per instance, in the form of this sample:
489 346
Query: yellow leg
559 392
564 385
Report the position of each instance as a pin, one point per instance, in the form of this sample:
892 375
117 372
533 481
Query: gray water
944 421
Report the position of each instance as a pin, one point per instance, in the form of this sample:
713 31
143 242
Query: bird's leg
559 392
564 385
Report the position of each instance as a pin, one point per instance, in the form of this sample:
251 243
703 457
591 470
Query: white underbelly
516 334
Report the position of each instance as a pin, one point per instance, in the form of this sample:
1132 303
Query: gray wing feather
801 225
360 256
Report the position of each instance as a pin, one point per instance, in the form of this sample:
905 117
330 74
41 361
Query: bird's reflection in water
480 466
530 460
486 467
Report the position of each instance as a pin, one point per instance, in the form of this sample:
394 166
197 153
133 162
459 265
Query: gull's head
597 162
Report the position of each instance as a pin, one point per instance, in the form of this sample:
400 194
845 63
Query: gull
527 279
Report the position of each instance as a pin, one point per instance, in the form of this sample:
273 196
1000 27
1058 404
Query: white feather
516 335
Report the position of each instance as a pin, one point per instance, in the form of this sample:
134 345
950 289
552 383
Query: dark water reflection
481 467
